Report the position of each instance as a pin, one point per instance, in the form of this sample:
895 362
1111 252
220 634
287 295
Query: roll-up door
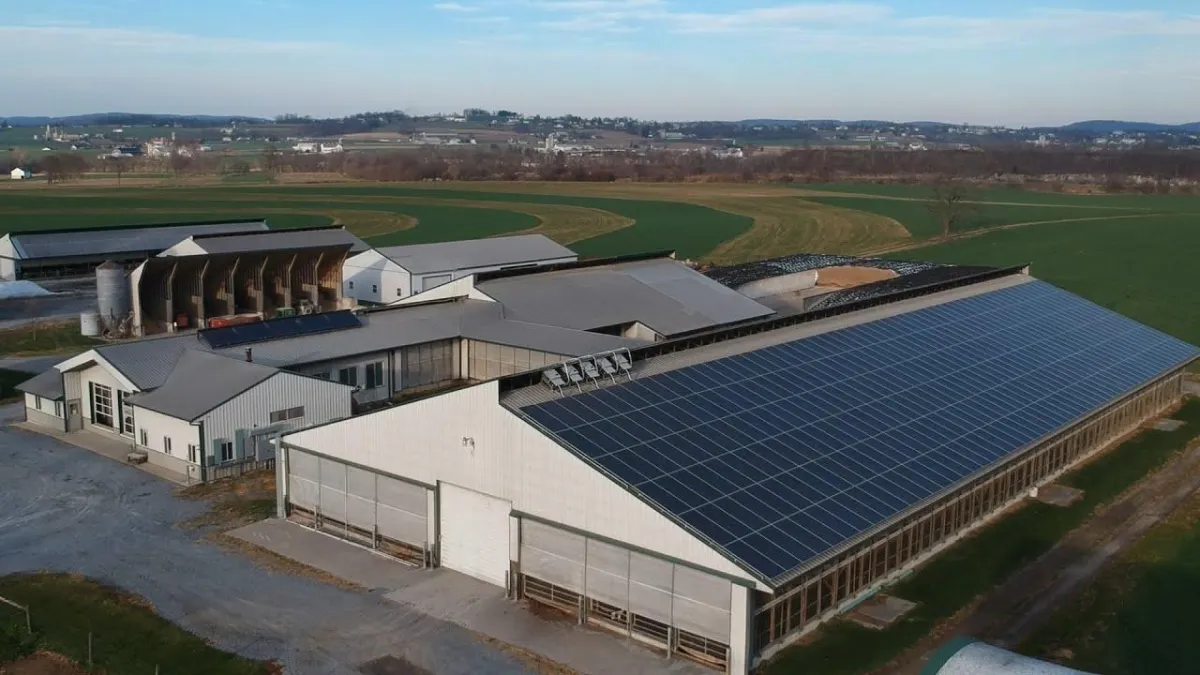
474 533
678 607
361 505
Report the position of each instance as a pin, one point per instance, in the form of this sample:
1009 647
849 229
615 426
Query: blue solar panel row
276 329
782 454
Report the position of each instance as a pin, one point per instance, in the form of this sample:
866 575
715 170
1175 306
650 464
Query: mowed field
1128 252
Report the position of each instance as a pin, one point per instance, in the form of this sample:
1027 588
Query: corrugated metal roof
460 255
47 385
663 294
200 382
739 275
549 339
123 240
274 240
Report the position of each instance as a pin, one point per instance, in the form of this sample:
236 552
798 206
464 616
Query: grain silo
112 294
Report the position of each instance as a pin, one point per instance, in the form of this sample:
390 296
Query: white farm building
391 273
644 446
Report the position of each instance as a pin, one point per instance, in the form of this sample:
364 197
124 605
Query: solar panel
275 329
783 454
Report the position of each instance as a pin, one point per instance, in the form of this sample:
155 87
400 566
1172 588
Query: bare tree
270 159
179 162
948 203
120 165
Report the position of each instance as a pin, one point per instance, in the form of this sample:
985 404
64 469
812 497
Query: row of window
224 448
40 404
375 289
285 415
372 375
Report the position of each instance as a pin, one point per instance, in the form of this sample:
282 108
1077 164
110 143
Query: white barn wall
251 410
42 412
158 427
464 287
99 374
371 268
8 259
424 441
358 363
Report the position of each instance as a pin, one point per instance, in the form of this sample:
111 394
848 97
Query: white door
474 533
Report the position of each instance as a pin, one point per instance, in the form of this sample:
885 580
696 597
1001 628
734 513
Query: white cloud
454 7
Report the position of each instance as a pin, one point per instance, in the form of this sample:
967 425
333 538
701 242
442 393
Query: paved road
32 364
63 508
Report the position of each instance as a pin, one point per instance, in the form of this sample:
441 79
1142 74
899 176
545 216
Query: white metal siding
464 287
474 533
432 281
467 438
358 363
158 427
371 270
251 410
73 389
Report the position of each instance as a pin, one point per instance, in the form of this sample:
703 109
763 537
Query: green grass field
127 635
1136 618
979 563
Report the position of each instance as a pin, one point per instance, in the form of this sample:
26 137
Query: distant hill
116 118
1109 126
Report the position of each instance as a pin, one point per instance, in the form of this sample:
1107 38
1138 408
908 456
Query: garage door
474 533
435 280
356 503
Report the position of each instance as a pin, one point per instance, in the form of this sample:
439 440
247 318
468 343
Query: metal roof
49 385
119 240
745 273
449 256
549 339
200 382
272 240
663 294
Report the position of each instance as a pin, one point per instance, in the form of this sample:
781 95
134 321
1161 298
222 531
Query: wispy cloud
455 7
487 20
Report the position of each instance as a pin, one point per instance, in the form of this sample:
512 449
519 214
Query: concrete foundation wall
788 283
43 419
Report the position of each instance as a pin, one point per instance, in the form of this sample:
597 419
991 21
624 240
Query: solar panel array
785 453
276 329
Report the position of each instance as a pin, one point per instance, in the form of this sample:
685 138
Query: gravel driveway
65 509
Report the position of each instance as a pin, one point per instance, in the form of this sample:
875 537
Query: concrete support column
741 626
431 522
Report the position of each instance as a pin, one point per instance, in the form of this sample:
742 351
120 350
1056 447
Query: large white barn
747 475
387 274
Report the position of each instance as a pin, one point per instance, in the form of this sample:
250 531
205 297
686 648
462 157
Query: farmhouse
391 273
42 253
716 478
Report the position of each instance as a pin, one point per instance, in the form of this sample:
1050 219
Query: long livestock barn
739 474
56 253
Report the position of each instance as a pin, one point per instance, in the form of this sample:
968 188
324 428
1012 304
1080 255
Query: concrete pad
112 448
1058 495
881 611
1168 425
478 606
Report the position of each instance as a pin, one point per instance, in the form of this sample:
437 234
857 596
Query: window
348 376
399 292
374 374
351 283
323 376
145 439
285 415
374 288
58 409
167 444
226 451
102 405
193 453
37 402
126 414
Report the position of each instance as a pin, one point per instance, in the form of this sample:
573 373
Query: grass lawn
975 565
128 637
1143 268
1177 203
43 338
1138 617
9 379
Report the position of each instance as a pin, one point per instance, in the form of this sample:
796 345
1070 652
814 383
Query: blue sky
982 61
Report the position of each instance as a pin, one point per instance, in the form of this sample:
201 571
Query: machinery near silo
113 299
89 324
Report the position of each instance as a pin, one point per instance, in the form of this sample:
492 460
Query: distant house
21 174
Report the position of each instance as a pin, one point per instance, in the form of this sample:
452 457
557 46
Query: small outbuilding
21 174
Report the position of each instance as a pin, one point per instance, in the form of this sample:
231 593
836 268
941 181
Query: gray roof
200 382
663 294
460 255
549 339
113 241
49 385
277 240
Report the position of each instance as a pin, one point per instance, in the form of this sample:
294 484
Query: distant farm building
70 252
393 273
20 174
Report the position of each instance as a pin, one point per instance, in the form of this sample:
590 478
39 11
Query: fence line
29 627
28 622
